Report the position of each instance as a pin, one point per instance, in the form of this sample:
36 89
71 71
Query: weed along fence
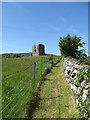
18 88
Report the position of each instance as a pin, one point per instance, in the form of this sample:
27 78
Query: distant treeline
12 55
18 55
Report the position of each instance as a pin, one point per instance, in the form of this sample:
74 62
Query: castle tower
35 50
41 49
38 50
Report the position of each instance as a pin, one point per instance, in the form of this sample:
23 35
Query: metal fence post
34 76
41 67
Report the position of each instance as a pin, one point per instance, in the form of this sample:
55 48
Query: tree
69 46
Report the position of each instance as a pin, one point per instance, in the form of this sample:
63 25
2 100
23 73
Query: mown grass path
56 97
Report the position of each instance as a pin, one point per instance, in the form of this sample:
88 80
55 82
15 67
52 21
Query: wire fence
14 73
16 86
17 71
14 100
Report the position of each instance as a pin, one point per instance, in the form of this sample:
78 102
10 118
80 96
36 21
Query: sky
26 24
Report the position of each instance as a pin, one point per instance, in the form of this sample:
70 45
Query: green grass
87 61
56 97
17 89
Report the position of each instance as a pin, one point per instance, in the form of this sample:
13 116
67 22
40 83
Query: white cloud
63 19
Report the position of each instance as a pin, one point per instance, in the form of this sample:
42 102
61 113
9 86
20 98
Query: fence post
41 67
46 62
34 76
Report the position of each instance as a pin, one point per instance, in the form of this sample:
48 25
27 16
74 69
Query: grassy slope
12 85
56 97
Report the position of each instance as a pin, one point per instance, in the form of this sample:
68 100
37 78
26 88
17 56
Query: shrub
83 74
69 46
8 55
51 57
18 55
47 71
51 60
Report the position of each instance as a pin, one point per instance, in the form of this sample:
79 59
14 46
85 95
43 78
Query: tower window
35 50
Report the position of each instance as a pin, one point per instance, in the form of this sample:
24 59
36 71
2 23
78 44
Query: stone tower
38 50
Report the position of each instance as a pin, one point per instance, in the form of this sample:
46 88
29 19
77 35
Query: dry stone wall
79 79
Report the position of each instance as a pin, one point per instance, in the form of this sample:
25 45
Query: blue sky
25 24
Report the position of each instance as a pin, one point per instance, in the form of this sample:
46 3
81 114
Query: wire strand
18 102
12 100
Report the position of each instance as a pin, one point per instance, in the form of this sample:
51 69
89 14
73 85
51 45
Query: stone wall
27 54
80 87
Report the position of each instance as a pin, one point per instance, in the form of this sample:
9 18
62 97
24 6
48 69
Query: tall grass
17 83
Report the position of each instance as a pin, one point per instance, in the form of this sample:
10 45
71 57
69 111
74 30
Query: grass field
17 83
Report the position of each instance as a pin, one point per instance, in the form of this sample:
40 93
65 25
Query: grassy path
56 97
